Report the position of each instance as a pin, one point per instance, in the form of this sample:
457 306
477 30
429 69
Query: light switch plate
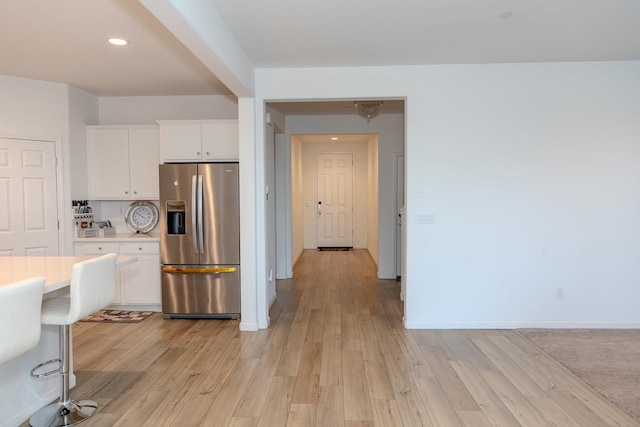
425 219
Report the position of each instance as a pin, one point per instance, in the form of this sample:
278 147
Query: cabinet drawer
98 248
133 248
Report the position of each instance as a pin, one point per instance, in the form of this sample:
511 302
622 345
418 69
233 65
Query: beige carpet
606 359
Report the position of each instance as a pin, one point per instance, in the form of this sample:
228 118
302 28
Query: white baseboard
248 326
273 299
518 324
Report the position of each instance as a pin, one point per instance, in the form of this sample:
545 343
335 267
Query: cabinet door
141 280
101 248
220 140
144 158
180 142
108 163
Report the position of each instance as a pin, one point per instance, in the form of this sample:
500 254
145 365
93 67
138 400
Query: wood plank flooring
336 354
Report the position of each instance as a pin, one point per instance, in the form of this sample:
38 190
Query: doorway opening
305 128
333 182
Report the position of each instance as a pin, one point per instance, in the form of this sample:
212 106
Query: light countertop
133 237
55 269
21 395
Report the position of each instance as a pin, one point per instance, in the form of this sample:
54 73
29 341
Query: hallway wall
390 131
530 174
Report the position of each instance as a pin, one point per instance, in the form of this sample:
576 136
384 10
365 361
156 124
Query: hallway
336 354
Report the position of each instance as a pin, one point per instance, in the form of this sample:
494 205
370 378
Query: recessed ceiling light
506 15
119 42
334 138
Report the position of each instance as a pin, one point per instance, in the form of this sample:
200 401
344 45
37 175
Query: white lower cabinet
137 283
141 280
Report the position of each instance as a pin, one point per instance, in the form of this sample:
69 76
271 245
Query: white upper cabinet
220 140
180 142
123 162
144 158
198 140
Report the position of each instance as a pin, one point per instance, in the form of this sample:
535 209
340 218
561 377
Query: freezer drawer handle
203 270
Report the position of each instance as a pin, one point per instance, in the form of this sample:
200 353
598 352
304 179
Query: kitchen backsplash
114 211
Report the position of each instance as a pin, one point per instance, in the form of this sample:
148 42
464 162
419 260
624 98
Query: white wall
35 109
127 110
254 301
270 203
390 131
83 111
310 186
282 194
297 209
531 172
373 208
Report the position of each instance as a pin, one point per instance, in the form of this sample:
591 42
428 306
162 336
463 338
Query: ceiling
65 40
294 33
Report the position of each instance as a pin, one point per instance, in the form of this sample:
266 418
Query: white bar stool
20 304
92 288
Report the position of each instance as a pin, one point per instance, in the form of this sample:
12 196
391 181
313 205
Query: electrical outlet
559 293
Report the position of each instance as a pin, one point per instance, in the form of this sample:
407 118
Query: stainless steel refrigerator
200 240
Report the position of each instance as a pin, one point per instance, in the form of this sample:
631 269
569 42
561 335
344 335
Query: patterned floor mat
117 316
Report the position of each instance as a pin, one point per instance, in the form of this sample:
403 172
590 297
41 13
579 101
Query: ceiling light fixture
334 138
118 42
368 109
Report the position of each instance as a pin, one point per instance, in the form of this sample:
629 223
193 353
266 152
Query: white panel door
28 198
335 199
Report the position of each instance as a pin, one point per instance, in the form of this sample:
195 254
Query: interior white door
335 199
28 198
399 216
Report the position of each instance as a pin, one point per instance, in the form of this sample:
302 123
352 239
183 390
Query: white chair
20 305
92 288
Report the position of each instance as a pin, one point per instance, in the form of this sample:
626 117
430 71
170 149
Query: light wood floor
336 354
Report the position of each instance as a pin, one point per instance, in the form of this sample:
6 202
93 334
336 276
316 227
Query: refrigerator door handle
194 225
200 216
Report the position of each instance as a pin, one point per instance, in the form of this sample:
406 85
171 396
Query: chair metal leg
65 412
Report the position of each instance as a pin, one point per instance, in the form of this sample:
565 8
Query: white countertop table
21 395
55 269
